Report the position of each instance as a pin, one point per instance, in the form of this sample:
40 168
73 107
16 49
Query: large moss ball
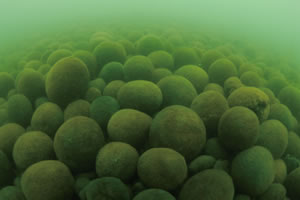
196 75
273 135
214 87
67 81
210 57
290 96
168 177
112 71
7 174
141 95
31 148
57 55
291 184
251 79
252 98
47 180
221 70
148 44
210 106
117 159
77 108
282 113
185 56
129 126
77 142
201 163
210 184
90 61
276 191
91 94
238 128
113 88
177 90
47 118
7 83
179 128
252 170
162 59
154 194
138 68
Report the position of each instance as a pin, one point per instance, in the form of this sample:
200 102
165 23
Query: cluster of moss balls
142 114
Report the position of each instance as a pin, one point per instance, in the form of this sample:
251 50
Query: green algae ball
214 87
72 137
67 81
179 128
77 108
280 171
231 84
33 64
177 90
31 148
7 83
210 184
221 70
109 51
282 113
210 57
90 61
162 59
273 135
98 83
154 194
201 163
185 56
57 55
276 84
293 148
214 148
252 98
113 88
7 174
47 180
159 74
91 94
270 94
237 60
129 126
148 44
112 71
196 75
19 109
141 95
252 170
47 118
11 193
292 184
290 96
117 159
44 69
128 46
210 106
168 177
138 68
251 79
276 191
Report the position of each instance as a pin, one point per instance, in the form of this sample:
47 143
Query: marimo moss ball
252 98
47 118
196 75
117 159
102 108
6 83
270 94
214 148
210 57
44 69
292 184
109 51
282 113
220 70
138 68
141 95
6 170
129 126
113 88
231 84
154 194
293 147
290 96
33 64
251 79
238 128
276 84
57 55
148 44
98 83
210 106
162 59
90 61
91 94
276 191
72 137
112 71
67 81
179 128
168 177
9 133
177 90
19 109
210 184
47 180
77 108
252 170
31 148
159 74
129 47
273 135
11 193
185 56
237 60
201 163
280 171
214 87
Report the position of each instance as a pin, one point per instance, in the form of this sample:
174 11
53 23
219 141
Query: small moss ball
252 170
221 70
293 147
238 128
148 44
31 148
290 96
154 194
7 83
113 88
210 106
179 128
67 81
112 71
276 84
129 47
11 193
129 126
159 74
270 94
210 184
210 57
98 83
185 56
251 79
91 94
90 61
57 55
168 177
33 64
282 113
276 191
162 59
138 68
72 137
44 69
201 163
280 171
196 75
7 174
214 87
141 95
47 180
236 59
77 108
252 98
117 159
47 118
214 148
231 84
